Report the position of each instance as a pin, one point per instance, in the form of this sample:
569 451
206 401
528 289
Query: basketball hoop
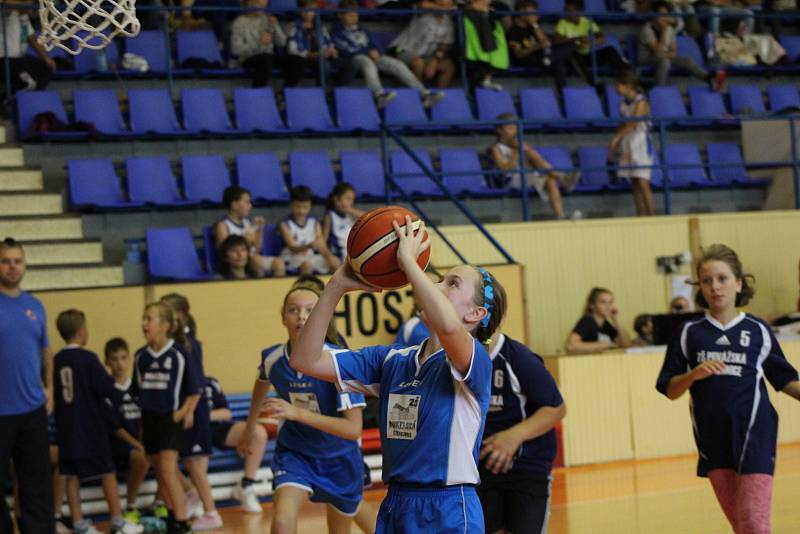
77 24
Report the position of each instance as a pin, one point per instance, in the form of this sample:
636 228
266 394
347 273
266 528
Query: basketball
270 424
372 247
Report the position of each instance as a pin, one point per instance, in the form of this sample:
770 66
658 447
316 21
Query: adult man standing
24 350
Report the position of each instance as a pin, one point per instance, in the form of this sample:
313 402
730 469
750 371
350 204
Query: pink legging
745 499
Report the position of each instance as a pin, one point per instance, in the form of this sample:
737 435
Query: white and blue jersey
735 425
341 223
162 380
431 416
412 332
304 234
126 409
520 386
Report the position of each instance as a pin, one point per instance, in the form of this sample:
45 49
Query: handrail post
462 63
320 56
663 164
523 175
386 170
168 45
795 163
6 59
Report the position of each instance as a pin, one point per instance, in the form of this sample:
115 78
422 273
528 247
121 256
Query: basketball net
77 24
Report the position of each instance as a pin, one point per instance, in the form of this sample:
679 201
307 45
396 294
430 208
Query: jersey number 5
66 384
744 338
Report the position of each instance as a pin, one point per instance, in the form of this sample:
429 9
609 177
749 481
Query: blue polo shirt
23 336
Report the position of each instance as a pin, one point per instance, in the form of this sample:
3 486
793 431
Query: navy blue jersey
215 397
520 386
412 332
126 409
81 387
734 422
194 361
162 380
311 394
431 416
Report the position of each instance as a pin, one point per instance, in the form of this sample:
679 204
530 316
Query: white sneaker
126 527
193 505
85 527
208 521
489 83
247 497
61 528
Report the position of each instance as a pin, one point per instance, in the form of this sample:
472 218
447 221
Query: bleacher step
28 203
64 253
20 179
41 228
11 156
3 136
72 277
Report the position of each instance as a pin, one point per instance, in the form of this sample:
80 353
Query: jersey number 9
66 384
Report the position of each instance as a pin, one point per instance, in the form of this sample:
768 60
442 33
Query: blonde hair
176 327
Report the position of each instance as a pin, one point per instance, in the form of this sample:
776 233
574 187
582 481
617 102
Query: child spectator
585 34
485 46
530 46
359 53
643 326
237 222
680 304
631 147
599 328
304 45
234 259
129 461
504 155
305 248
254 37
227 434
340 214
81 387
27 71
424 45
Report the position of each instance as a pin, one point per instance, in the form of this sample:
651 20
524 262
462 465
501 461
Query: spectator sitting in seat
340 215
254 37
27 72
485 45
359 53
643 326
424 45
658 48
234 259
304 46
305 250
585 34
504 155
730 10
530 46
599 328
680 304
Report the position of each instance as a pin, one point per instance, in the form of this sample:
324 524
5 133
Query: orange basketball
269 424
372 247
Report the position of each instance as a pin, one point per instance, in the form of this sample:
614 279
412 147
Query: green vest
497 58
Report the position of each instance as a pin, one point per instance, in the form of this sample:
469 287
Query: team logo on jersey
154 365
168 364
723 340
30 314
403 415
307 401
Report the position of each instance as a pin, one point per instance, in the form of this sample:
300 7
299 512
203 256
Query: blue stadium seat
364 171
152 112
539 104
666 101
462 172
94 183
151 45
312 169
210 249
453 108
703 102
592 162
171 254
595 8
558 156
415 181
87 61
100 107
200 44
273 242
792 45
406 108
726 165
261 174
205 178
492 103
680 154
783 97
687 46
550 7
151 181
582 104
256 110
355 109
613 101
204 111
31 103
746 99
306 109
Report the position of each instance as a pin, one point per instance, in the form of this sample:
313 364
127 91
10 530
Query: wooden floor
647 497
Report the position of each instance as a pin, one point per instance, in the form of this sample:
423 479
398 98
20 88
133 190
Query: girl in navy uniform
340 214
722 359
317 455
519 442
599 328
434 397
167 387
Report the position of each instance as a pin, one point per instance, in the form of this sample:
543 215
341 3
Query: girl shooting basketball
722 360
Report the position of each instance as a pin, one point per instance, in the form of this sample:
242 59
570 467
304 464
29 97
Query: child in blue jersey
722 359
167 388
129 461
434 397
81 387
305 250
317 455
340 214
197 436
519 443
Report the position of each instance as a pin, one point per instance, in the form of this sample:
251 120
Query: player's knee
278 268
260 436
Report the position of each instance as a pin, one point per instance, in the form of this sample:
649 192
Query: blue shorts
337 481
449 510
86 469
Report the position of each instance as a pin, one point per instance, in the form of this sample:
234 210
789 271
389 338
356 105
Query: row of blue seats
204 111
94 183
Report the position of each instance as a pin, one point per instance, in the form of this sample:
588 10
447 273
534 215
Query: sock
248 481
117 521
82 526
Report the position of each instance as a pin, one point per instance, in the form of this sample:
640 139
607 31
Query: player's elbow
561 412
352 433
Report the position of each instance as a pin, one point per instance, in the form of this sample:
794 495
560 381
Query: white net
77 24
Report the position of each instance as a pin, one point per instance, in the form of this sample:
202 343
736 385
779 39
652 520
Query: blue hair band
488 295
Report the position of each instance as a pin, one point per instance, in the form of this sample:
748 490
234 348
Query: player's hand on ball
498 451
280 409
410 244
707 368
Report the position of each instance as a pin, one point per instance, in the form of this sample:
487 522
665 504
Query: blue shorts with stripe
445 510
337 481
